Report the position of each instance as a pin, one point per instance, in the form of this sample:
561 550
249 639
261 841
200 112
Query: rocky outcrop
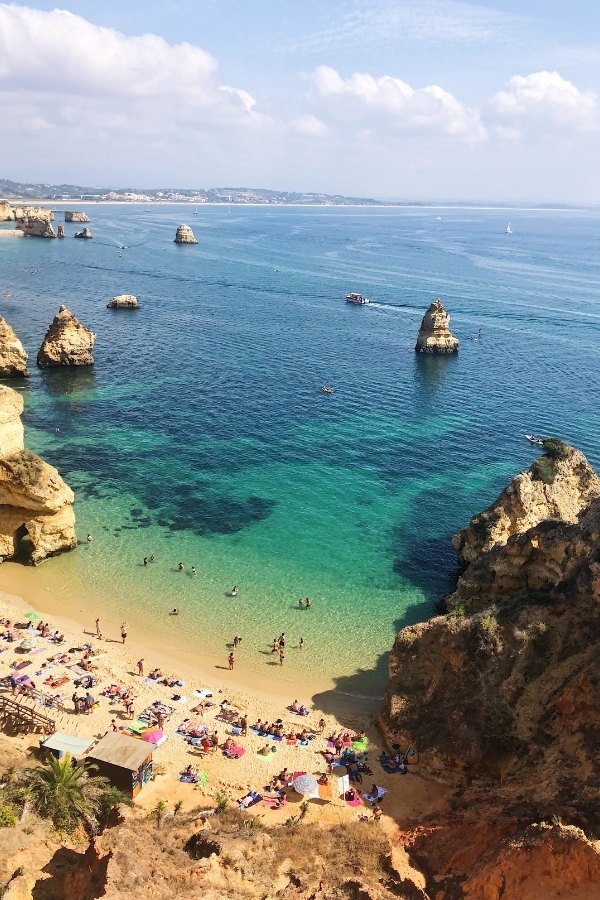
85 235
36 226
74 216
504 684
7 213
34 500
36 212
529 500
434 334
13 358
67 342
185 235
60 231
123 301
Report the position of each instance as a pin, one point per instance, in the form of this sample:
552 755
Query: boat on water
534 440
358 299
326 390
508 229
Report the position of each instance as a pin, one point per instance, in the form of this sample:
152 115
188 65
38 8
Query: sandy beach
116 664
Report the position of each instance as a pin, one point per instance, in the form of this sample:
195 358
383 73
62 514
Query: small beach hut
125 761
60 743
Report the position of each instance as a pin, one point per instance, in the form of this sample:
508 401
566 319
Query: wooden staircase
22 714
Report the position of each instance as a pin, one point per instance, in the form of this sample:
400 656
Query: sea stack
37 225
13 358
434 334
123 301
185 235
75 216
60 231
34 500
67 343
85 235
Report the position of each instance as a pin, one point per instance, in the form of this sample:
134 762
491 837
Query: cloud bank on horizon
86 103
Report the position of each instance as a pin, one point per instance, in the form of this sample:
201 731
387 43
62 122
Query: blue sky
405 99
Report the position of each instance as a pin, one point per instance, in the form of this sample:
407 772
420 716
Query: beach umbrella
305 784
153 736
33 616
28 644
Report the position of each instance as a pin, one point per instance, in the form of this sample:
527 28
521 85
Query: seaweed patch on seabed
429 565
219 515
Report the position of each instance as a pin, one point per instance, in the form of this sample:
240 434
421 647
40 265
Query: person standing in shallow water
281 656
180 566
231 660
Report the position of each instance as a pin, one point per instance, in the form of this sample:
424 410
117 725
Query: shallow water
201 434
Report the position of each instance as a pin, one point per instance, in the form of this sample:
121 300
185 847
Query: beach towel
391 768
361 745
326 791
17 666
229 716
202 693
380 793
78 670
234 752
266 734
58 682
249 800
150 681
266 756
356 802
137 727
298 712
291 741
200 779
202 707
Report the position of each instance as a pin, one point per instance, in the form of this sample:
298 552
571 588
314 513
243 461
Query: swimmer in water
234 591
175 612
181 567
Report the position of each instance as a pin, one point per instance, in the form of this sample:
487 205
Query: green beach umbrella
33 616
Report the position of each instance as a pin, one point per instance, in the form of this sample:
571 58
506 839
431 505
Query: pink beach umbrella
154 736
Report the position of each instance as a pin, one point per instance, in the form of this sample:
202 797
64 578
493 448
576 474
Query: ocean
201 435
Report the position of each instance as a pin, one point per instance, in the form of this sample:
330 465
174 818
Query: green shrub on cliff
544 469
555 448
8 818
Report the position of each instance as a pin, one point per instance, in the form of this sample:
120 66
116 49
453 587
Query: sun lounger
17 666
249 800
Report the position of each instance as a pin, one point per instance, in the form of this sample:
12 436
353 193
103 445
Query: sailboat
508 229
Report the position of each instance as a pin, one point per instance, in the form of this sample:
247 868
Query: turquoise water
201 434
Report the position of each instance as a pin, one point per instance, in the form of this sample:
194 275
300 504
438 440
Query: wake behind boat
356 298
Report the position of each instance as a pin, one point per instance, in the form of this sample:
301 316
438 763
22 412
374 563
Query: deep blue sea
201 435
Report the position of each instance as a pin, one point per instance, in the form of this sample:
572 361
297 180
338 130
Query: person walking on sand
140 666
97 627
281 656
231 660
124 632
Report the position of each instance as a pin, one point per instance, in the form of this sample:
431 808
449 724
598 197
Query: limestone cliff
34 500
499 696
76 216
528 500
123 301
434 334
7 213
85 235
185 235
13 358
67 342
36 226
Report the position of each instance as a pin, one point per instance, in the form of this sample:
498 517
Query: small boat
326 390
356 298
534 440
508 229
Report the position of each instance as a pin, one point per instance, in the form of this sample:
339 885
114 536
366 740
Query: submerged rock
434 334
123 301
13 358
67 342
185 235
74 216
35 502
86 234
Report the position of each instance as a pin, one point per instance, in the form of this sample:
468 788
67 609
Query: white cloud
309 125
545 101
71 70
394 105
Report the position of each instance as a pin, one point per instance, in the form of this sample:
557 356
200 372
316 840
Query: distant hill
13 190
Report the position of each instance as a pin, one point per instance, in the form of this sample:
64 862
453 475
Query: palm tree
65 793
